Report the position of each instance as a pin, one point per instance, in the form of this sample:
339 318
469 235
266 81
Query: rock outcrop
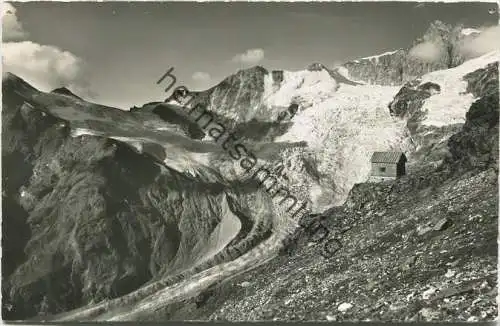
439 48
410 104
65 91
476 145
88 218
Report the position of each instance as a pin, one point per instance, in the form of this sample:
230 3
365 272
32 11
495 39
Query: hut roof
387 157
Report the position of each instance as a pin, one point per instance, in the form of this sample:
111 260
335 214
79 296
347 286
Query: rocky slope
427 252
142 215
434 230
87 217
422 248
403 65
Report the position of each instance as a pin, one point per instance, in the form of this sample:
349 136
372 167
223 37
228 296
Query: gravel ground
421 249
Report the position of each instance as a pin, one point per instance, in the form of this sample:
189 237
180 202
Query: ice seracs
343 129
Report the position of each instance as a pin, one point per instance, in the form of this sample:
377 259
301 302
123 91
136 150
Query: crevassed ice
344 129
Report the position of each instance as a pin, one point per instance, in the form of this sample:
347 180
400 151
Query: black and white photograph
249 161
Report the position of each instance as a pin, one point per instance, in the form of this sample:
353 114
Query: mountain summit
441 47
65 91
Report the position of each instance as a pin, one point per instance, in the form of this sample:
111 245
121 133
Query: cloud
470 46
428 51
12 30
44 66
251 56
201 77
481 43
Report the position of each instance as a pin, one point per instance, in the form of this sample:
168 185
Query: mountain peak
10 80
65 91
253 69
315 67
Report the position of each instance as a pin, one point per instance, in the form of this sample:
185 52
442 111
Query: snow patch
376 57
469 31
226 230
451 104
309 86
344 72
136 144
77 132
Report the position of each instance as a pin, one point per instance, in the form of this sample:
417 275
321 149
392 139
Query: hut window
382 169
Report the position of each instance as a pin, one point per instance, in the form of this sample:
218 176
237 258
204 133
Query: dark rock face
404 65
476 146
65 91
237 96
391 69
88 218
411 97
384 70
277 76
315 67
483 81
408 103
169 115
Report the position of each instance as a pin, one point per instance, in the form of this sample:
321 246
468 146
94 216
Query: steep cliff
439 48
88 218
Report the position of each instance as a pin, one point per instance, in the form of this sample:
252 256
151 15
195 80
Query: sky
114 52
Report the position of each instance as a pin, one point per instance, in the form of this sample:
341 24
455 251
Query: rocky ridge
97 218
402 65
